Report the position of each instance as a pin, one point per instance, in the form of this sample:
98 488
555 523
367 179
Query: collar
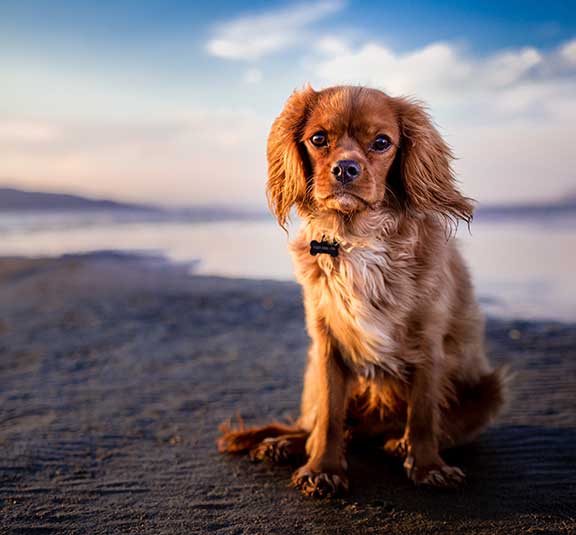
324 246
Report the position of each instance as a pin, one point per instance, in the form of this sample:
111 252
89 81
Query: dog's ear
422 176
288 165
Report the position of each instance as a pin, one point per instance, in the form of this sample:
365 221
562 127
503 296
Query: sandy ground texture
115 373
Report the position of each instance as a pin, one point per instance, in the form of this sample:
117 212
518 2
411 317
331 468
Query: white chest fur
364 295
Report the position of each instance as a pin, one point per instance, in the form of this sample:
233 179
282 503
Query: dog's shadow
511 470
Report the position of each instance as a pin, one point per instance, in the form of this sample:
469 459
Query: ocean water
521 268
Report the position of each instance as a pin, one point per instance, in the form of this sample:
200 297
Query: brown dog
397 336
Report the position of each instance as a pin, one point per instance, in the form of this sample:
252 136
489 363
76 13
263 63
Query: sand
115 373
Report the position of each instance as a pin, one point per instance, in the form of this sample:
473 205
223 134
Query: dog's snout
346 170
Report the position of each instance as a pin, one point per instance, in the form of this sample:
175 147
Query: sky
171 101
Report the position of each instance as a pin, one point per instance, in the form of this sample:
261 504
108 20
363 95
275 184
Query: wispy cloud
443 73
568 53
253 37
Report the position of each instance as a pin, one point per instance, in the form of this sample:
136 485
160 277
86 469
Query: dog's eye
381 144
319 139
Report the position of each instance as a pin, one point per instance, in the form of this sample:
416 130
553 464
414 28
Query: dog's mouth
344 201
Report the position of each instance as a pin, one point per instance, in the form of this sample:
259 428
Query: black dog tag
324 247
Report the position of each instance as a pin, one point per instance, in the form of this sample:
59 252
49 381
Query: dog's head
346 149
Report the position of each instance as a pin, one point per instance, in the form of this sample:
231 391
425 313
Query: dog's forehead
355 109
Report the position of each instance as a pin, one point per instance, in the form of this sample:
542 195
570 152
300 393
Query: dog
397 337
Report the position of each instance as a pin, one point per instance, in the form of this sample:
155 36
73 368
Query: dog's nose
346 170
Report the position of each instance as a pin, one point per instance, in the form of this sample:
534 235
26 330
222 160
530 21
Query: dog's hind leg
476 406
262 440
282 449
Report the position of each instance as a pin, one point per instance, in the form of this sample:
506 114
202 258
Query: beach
116 371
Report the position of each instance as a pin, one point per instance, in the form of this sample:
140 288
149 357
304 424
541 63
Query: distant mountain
17 200
530 210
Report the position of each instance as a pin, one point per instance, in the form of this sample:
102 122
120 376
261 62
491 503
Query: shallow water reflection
520 269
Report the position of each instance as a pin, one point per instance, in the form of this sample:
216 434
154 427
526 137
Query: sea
522 267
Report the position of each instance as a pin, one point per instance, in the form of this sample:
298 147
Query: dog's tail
476 406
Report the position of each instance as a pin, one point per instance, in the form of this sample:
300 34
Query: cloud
568 52
439 72
253 37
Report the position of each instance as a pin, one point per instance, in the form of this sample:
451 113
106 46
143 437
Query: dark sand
115 374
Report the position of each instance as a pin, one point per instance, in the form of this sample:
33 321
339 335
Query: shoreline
492 307
115 374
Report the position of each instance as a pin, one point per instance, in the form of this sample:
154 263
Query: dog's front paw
320 484
440 475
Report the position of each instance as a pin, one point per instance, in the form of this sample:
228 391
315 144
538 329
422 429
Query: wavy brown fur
397 336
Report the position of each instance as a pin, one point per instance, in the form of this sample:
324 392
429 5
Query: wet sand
115 374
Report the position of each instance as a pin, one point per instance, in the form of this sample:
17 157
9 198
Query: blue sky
171 101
